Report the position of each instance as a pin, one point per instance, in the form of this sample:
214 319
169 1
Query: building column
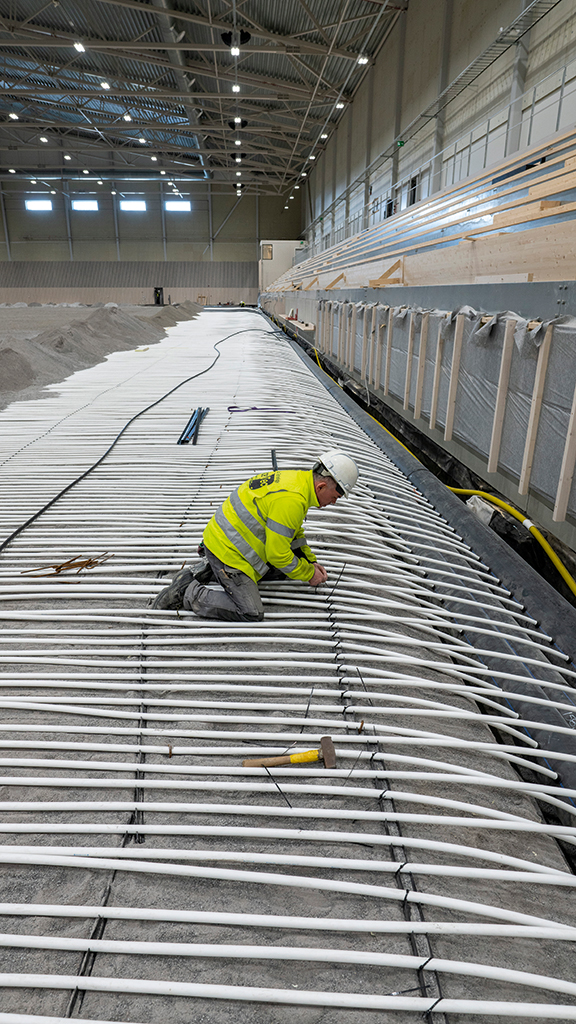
439 132
401 51
517 89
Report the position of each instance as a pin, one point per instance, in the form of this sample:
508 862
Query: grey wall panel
144 274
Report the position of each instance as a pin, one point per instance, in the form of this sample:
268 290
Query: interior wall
404 80
110 234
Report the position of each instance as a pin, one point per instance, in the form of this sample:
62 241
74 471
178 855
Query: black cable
32 519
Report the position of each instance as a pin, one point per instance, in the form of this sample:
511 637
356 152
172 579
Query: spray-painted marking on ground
147 874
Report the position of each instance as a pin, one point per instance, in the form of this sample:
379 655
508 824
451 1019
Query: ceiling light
67 156
171 183
142 140
105 85
162 172
237 120
339 106
311 157
85 172
237 142
112 193
53 192
33 181
43 138
13 116
296 186
154 158
303 175
362 59
238 159
127 117
291 197
324 135
100 182
238 173
79 48
235 51
11 170
235 88
286 207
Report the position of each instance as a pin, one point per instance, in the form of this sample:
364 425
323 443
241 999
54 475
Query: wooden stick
388 349
364 345
421 366
379 350
567 468
454 373
501 395
437 374
352 346
535 408
410 353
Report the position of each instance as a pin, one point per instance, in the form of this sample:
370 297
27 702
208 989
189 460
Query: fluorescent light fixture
238 159
238 173
162 172
79 47
324 135
296 186
235 88
32 181
85 171
142 140
127 117
43 138
178 205
235 51
11 170
67 156
339 106
13 116
105 85
154 158
362 59
52 191
133 205
84 204
38 204
311 157
237 142
291 197
113 193
237 120
303 175
100 182
286 207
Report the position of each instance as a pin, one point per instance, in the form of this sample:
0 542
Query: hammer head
328 752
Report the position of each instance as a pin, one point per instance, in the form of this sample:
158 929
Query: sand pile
26 364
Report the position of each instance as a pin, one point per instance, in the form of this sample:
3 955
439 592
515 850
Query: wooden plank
385 278
566 469
335 281
535 407
372 337
364 344
307 287
409 355
389 332
352 337
421 366
454 374
501 395
437 375
379 351
340 331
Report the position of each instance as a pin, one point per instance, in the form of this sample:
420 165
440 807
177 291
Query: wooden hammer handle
266 762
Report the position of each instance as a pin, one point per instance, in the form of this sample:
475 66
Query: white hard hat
340 467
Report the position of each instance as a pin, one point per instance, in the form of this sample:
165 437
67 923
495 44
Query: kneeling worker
257 534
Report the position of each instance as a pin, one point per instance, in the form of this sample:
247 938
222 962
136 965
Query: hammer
326 754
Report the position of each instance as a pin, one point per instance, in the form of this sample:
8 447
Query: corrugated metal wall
141 274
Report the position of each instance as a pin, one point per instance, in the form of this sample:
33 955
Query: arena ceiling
198 89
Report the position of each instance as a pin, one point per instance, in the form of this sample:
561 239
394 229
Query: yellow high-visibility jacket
261 523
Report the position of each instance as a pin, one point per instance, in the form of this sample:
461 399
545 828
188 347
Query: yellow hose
568 579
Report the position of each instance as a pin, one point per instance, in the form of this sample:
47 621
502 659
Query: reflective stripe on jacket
261 523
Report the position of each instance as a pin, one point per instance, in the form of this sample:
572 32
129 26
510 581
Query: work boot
172 597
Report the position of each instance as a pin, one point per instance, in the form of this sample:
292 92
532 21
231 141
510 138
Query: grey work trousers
238 601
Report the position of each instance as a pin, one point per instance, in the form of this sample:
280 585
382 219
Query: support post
454 374
163 220
567 468
66 201
501 396
409 355
437 375
388 349
5 222
210 231
352 347
379 350
535 407
421 366
115 214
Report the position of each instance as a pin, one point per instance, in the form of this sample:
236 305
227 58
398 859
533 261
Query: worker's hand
320 575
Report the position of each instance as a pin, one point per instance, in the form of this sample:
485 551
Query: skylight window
133 205
84 204
178 205
38 204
